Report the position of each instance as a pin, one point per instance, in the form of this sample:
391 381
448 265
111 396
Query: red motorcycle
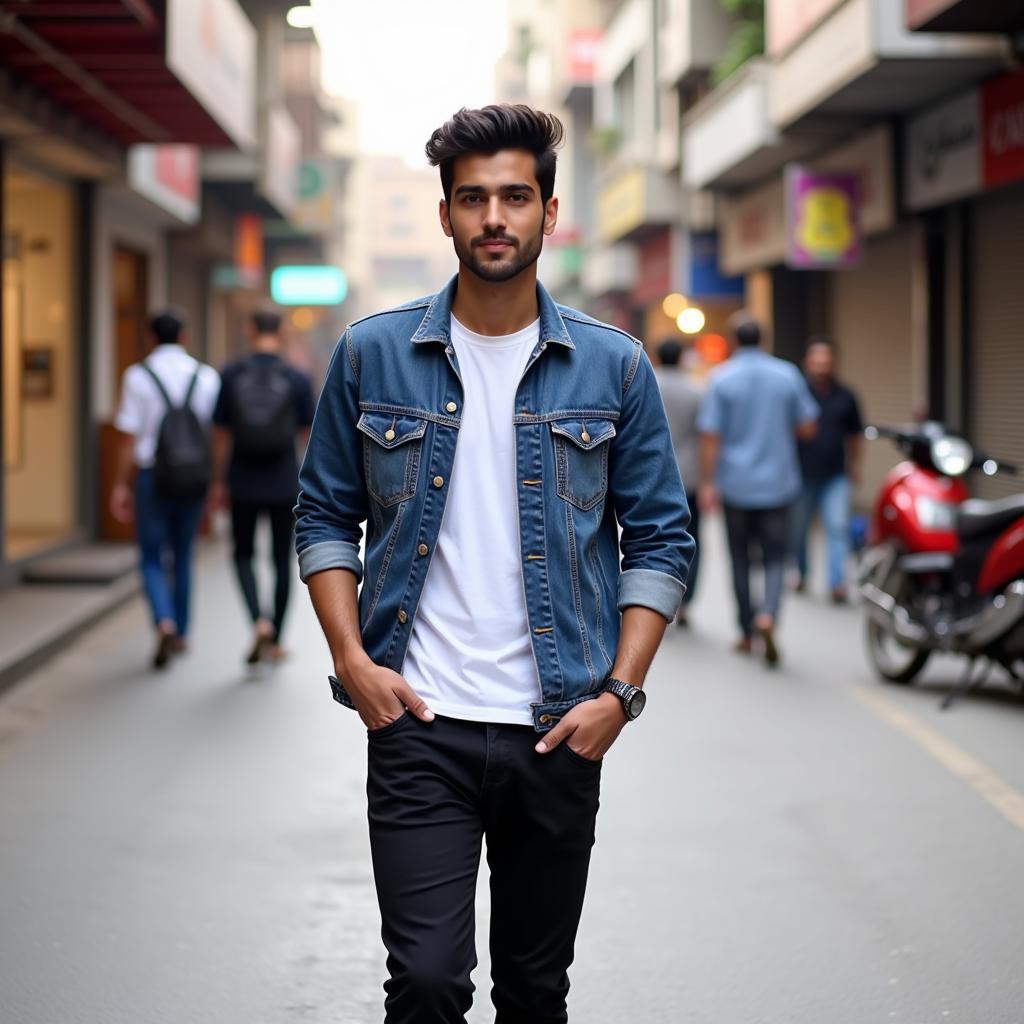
943 571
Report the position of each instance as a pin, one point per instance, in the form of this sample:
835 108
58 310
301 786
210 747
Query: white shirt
470 654
142 407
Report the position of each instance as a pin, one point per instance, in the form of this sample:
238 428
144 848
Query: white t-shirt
470 654
142 407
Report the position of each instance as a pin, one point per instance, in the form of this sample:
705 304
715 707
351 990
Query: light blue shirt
754 404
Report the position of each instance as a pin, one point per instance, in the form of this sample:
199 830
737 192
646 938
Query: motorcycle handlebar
985 463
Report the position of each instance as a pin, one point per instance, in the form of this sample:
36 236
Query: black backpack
183 467
263 417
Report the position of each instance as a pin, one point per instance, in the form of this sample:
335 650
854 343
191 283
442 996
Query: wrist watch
633 698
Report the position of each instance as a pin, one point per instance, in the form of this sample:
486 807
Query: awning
107 63
964 16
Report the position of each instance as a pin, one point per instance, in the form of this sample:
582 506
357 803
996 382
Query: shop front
964 175
41 360
868 308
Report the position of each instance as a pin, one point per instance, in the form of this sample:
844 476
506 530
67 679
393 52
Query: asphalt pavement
804 846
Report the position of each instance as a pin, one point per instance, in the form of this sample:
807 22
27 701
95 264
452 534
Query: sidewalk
190 845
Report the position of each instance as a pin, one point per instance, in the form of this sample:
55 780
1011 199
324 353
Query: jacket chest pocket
581 460
392 446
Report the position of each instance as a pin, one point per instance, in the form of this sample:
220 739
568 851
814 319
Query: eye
518 197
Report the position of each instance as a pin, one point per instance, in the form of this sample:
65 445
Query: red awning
104 61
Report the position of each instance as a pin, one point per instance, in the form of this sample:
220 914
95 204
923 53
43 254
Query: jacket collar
437 323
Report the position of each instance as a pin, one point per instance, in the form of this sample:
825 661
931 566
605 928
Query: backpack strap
159 384
192 386
163 391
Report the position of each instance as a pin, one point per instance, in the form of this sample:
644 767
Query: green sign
308 286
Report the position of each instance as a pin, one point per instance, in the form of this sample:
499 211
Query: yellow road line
992 788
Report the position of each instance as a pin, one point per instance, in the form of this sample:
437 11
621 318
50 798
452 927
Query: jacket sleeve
332 493
648 498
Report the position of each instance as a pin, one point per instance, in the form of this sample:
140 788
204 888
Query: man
265 407
494 443
755 409
682 398
168 383
830 462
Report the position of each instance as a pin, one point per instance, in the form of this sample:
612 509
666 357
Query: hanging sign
822 219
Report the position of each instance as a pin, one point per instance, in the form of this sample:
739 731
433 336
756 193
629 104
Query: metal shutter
997 355
871 326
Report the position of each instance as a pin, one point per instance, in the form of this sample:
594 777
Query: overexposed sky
409 64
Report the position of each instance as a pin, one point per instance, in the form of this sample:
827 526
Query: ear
446 220
550 215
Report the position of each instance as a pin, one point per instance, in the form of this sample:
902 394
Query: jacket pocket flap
585 434
390 431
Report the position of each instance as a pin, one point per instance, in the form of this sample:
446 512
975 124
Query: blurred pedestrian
682 397
755 409
166 405
265 409
494 443
830 462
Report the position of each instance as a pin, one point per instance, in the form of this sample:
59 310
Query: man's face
819 363
496 217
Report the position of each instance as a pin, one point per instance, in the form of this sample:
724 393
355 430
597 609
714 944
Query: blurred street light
300 16
674 304
691 320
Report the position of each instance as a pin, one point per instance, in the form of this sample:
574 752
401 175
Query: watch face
637 703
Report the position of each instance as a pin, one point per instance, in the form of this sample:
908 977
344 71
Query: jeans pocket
579 758
581 460
392 447
391 727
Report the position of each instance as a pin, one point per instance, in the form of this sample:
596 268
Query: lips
495 245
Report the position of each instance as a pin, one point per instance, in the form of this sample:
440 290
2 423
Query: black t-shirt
273 480
824 456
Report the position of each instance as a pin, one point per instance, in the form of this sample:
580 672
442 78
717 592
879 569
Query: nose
494 219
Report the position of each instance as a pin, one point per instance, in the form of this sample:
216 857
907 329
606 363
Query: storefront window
39 395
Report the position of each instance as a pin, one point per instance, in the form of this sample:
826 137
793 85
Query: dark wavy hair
491 129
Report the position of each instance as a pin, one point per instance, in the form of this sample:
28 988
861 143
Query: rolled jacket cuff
649 588
329 554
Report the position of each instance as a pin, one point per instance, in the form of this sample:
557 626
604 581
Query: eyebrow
480 190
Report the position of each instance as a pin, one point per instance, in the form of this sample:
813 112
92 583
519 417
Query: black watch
633 698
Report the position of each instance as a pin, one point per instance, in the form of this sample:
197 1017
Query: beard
496 269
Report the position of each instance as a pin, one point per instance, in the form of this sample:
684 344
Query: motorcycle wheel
892 659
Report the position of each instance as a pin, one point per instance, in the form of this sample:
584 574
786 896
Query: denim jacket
593 455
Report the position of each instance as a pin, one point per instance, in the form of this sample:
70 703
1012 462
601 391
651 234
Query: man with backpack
265 407
167 402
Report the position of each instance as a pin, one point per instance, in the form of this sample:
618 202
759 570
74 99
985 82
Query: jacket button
402 617
585 436
423 549
451 407
439 481
544 719
389 435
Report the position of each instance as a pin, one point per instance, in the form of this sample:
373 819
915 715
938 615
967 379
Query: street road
797 847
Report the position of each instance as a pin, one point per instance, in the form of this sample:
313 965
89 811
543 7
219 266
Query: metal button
439 481
423 549
402 617
585 435
389 435
544 719
451 407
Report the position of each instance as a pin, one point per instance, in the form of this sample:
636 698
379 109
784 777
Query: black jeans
435 790
693 498
769 529
244 517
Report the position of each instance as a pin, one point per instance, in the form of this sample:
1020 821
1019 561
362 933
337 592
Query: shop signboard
705 279
1002 118
942 155
314 285
584 46
280 157
167 176
211 49
621 206
822 219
